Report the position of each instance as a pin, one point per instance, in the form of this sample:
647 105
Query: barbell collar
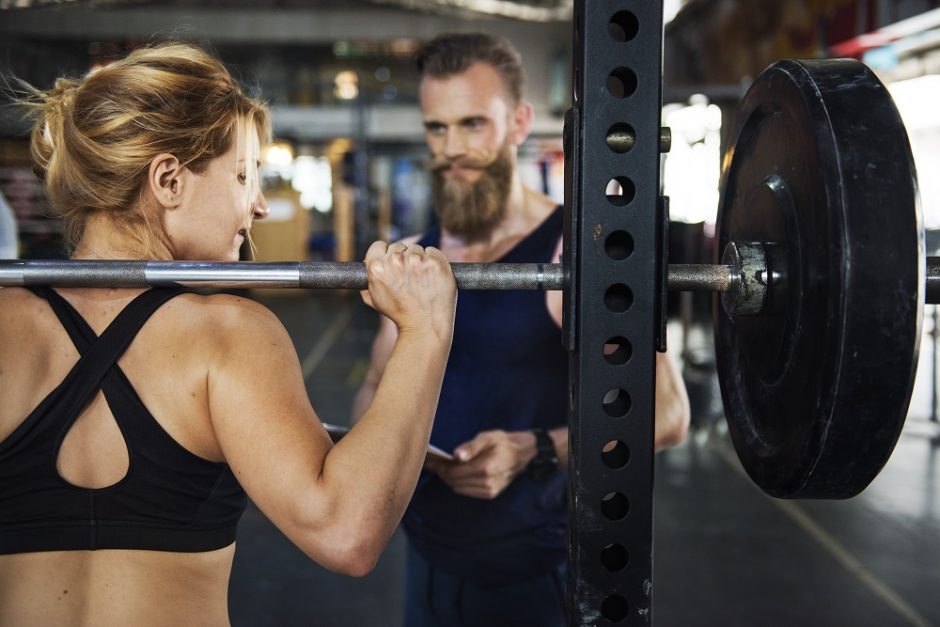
748 293
932 293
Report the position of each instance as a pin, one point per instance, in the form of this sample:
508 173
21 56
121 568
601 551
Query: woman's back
120 507
166 365
104 588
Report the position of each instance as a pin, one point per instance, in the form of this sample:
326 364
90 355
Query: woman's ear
165 180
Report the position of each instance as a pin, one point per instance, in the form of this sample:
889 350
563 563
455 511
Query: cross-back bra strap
81 333
84 380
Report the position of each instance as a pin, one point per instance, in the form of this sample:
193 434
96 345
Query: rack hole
623 26
620 191
617 403
615 506
615 608
614 557
618 350
619 245
622 82
618 298
615 454
621 138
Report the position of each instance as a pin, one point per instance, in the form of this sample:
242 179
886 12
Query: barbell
822 278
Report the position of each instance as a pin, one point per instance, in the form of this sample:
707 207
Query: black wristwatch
545 463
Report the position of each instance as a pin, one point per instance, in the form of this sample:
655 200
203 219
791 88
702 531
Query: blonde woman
134 422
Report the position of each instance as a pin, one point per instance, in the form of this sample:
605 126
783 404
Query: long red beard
472 210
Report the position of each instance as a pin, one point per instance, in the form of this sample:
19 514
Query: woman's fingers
406 282
376 251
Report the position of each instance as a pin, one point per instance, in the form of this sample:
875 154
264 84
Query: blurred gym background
347 167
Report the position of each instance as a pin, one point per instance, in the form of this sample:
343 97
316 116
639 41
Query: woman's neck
102 238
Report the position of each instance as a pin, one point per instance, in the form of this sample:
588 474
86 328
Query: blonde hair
94 138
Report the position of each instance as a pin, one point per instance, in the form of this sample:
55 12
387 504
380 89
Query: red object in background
843 23
857 46
852 27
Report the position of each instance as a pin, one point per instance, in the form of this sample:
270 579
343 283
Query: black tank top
507 370
169 500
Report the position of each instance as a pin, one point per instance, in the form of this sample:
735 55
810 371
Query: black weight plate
816 388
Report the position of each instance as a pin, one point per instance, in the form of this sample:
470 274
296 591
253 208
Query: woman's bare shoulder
223 317
20 304
12 295
222 304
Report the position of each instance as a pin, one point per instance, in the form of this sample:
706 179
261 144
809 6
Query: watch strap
545 462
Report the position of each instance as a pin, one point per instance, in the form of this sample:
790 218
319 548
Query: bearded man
487 541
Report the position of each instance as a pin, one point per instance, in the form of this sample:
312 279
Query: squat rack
615 242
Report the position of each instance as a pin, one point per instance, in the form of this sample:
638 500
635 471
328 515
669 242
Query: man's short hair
453 53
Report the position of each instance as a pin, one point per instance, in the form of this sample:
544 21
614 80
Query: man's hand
485 465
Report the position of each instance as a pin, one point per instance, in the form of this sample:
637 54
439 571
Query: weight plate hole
618 298
614 557
619 245
622 82
623 26
618 350
615 506
617 403
615 454
620 191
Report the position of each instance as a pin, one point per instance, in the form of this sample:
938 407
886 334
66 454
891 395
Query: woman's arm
339 504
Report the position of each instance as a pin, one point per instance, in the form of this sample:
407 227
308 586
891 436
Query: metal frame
613 295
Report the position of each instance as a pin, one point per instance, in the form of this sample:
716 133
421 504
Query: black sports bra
169 500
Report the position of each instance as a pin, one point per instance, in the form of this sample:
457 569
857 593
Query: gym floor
725 554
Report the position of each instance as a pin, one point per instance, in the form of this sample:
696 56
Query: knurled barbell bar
743 281
822 278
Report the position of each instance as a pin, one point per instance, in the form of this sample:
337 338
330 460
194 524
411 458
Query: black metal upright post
614 209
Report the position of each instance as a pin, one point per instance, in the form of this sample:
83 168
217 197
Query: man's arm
489 462
382 347
672 401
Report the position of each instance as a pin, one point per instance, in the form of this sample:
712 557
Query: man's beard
472 210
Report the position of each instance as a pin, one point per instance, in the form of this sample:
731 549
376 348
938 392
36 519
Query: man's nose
455 144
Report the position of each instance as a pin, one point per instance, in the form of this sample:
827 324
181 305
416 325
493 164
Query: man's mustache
439 164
